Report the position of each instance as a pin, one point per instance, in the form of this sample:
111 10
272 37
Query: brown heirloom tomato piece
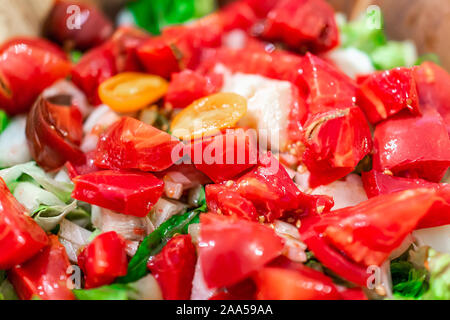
54 132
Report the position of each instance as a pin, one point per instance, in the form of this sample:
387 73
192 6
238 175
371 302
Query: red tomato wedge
131 193
174 268
349 240
103 260
230 249
377 183
45 276
132 144
20 236
386 93
432 85
413 147
303 25
28 63
225 156
287 280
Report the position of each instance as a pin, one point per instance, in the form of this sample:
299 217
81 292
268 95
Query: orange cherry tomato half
209 115
132 91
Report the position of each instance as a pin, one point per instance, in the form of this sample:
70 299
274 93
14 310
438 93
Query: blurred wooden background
426 22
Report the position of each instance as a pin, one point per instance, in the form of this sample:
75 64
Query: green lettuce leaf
4 120
439 266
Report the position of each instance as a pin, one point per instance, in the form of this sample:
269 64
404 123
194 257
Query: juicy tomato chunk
377 183
270 190
336 135
413 147
132 91
158 57
222 200
131 193
230 249
20 236
209 115
187 86
132 144
103 260
94 30
286 280
349 240
28 63
174 268
305 25
54 131
225 156
432 85
386 93
45 276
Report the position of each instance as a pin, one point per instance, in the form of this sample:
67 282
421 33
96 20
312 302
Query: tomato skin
174 268
45 275
95 29
230 249
377 183
131 193
103 260
132 144
432 86
383 94
286 280
225 156
28 63
21 237
187 86
336 135
54 133
413 147
303 25
365 224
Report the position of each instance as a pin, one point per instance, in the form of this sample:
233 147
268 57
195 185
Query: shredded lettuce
439 266
31 196
394 54
48 217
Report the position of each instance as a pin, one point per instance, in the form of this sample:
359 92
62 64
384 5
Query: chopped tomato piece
132 144
132 193
377 183
286 280
45 276
132 91
29 63
20 236
349 240
103 260
230 249
54 131
187 86
225 156
386 93
336 135
209 115
413 147
174 268
432 85
305 25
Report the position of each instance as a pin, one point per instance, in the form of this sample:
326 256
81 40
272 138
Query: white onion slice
437 238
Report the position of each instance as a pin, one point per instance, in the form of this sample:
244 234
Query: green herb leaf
4 120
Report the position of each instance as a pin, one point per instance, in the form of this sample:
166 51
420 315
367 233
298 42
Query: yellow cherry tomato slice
132 91
209 115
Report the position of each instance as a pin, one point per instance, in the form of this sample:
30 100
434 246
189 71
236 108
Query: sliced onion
301 179
235 39
164 209
72 249
101 116
74 233
200 290
194 195
294 249
64 87
146 288
284 228
130 227
131 247
13 143
173 190
402 248
194 231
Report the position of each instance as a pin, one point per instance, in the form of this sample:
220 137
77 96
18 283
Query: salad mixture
264 150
